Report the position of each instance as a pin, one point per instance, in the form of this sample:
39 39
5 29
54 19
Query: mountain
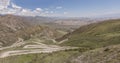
9 25
14 22
97 42
94 35
112 16
13 28
65 24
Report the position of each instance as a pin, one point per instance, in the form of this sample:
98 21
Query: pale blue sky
78 8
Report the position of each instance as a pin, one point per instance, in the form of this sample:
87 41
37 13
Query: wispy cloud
4 4
59 7
8 7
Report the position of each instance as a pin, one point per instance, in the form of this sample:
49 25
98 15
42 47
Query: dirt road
30 49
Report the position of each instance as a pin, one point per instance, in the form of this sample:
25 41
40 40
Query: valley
23 41
59 31
36 47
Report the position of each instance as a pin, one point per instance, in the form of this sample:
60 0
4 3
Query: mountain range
58 40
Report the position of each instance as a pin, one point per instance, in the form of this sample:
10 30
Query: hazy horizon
60 8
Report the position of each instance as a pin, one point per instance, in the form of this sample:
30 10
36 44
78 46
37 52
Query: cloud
65 13
15 6
4 3
8 7
51 11
59 7
39 9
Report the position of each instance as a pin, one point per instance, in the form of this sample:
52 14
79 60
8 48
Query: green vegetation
56 57
95 41
14 27
95 35
109 54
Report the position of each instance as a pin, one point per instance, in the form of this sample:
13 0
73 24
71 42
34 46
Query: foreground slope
110 54
94 35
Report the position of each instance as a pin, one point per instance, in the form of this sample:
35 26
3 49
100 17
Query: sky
62 8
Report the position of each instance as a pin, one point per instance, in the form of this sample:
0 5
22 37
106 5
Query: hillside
94 35
109 54
9 25
96 42
13 28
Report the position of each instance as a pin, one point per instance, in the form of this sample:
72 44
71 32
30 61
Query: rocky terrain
22 41
14 27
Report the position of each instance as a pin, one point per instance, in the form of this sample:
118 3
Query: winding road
32 49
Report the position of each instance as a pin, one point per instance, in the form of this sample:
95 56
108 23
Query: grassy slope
90 36
56 57
95 35
110 54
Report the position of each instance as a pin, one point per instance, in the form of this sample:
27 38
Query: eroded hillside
14 27
93 43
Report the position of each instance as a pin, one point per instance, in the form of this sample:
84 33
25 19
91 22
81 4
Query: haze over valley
59 31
